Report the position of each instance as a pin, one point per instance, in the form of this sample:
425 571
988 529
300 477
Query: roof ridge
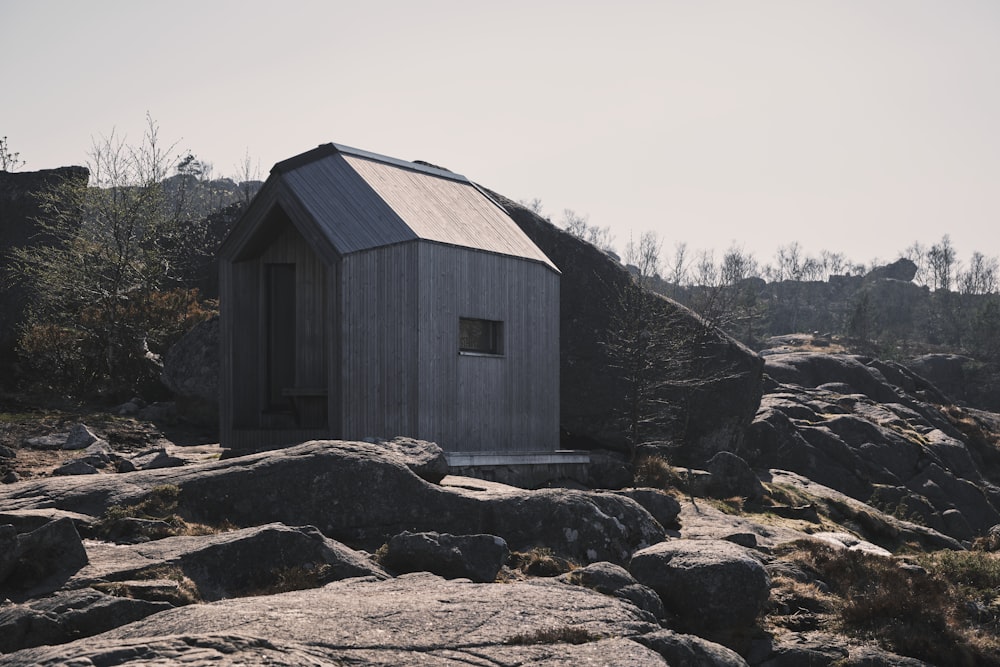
328 149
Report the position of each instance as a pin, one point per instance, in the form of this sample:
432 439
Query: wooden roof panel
343 206
448 210
361 200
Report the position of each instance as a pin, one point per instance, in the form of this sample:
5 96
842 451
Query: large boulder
713 377
711 588
663 506
52 551
902 269
732 477
413 619
191 372
362 494
690 651
474 557
612 579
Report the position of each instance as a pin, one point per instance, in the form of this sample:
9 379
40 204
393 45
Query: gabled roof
358 200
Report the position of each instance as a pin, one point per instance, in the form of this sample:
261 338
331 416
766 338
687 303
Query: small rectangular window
480 336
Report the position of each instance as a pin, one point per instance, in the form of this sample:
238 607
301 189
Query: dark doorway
279 282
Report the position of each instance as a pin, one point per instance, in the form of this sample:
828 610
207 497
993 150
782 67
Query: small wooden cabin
363 296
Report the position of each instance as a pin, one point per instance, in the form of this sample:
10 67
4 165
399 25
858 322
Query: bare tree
645 257
9 160
106 294
535 206
248 178
793 264
943 264
677 270
578 226
981 277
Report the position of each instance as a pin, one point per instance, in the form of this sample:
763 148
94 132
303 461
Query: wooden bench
308 404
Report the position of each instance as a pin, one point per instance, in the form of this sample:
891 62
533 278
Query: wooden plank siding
387 256
244 332
484 403
378 329
310 307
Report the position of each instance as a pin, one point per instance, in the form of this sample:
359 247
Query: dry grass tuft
539 562
654 471
295 578
157 514
187 591
924 612
565 634
732 506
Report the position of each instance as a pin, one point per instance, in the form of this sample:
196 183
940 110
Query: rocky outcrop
677 601
615 580
714 380
963 379
410 619
860 426
230 563
69 615
902 269
363 494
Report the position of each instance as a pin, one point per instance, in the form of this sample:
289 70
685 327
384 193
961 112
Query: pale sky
855 126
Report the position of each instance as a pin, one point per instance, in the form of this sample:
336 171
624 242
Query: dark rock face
18 210
732 477
861 427
712 588
51 552
716 408
963 379
475 557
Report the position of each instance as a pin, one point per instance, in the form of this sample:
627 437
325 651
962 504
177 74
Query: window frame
494 338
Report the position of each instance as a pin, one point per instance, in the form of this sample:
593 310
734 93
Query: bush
110 350
918 612
654 471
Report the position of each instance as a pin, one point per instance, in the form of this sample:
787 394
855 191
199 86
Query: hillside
798 504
